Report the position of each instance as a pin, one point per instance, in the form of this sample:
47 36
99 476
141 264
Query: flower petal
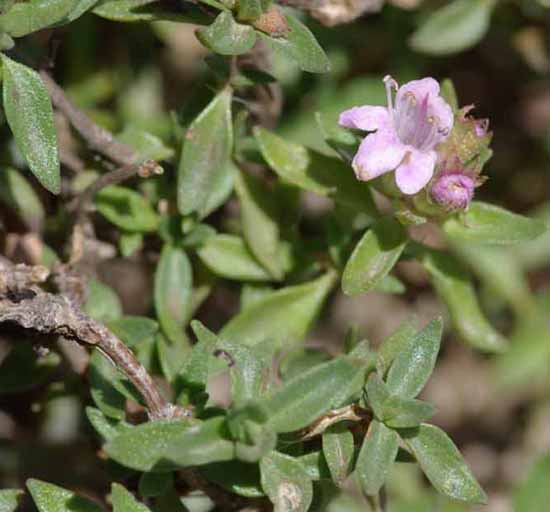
415 172
442 111
420 89
379 153
365 118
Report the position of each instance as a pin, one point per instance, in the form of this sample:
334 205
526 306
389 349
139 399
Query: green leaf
227 37
499 269
108 398
454 27
454 287
534 492
315 465
377 394
285 481
29 114
19 195
107 428
253 437
250 10
23 369
412 367
376 457
145 446
284 316
27 17
201 444
152 485
442 463
259 215
133 330
338 449
143 10
147 145
374 256
9 499
301 400
173 289
398 412
130 243
51 498
488 224
235 476
126 209
124 501
314 172
249 368
193 375
103 303
300 45
205 166
394 344
228 256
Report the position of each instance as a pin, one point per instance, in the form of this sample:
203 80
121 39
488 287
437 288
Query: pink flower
453 189
405 135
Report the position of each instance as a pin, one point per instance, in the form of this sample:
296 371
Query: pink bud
453 190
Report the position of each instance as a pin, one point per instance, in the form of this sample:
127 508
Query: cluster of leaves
294 435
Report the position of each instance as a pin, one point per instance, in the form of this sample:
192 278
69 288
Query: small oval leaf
455 288
227 37
454 27
443 464
300 45
228 256
374 256
413 366
173 289
205 167
29 113
285 481
489 224
376 457
313 171
284 316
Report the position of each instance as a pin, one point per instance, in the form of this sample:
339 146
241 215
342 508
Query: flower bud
453 189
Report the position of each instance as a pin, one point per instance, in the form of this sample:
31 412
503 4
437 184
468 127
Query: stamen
390 83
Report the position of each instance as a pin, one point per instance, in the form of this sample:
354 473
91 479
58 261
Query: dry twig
27 305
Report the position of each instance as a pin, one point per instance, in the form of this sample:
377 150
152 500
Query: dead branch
24 303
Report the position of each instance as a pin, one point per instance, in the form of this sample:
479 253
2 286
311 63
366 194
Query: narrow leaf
227 37
454 27
124 501
9 499
51 498
29 113
300 45
374 256
455 288
489 224
228 256
412 368
338 449
173 289
303 399
144 447
205 166
376 457
285 315
314 172
126 209
442 463
259 215
286 483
